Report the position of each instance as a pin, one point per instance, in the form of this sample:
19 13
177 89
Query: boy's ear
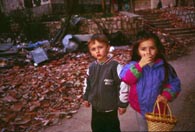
108 47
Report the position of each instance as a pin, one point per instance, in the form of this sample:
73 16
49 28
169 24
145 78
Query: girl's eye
152 48
143 49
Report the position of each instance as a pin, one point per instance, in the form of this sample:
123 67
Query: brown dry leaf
10 99
17 107
34 105
9 117
22 121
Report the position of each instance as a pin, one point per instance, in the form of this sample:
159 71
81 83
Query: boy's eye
92 49
100 47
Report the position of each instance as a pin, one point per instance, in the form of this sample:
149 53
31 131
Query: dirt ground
183 107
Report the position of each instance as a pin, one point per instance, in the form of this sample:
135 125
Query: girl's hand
86 103
121 110
162 99
146 59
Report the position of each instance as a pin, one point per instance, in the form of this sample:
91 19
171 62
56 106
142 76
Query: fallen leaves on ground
33 97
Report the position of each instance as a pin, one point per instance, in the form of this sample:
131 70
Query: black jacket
103 86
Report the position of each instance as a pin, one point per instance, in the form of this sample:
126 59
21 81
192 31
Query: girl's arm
173 87
131 73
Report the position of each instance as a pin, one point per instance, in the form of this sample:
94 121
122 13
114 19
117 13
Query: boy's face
99 50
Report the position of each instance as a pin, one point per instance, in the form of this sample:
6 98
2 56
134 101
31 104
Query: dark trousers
105 121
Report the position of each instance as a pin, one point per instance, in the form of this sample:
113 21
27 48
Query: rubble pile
33 97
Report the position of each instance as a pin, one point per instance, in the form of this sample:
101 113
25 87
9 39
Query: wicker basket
160 122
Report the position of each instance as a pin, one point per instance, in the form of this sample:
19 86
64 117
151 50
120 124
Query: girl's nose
148 51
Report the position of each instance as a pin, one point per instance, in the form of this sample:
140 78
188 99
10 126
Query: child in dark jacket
104 89
150 76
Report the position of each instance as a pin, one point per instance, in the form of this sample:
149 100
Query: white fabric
124 88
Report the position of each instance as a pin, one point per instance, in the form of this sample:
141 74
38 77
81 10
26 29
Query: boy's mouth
98 55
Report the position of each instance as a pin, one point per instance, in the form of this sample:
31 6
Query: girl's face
147 48
99 50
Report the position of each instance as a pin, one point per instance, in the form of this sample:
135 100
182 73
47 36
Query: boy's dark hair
100 38
146 35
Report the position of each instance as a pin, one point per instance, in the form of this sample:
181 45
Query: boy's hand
86 103
121 110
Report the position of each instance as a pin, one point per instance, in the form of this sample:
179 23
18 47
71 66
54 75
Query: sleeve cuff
167 95
138 67
122 105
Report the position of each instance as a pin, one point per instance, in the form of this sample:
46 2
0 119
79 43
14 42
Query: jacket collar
105 62
158 62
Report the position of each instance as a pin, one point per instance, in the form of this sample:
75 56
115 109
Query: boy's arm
86 87
123 91
86 92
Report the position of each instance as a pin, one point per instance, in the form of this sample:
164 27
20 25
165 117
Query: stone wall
142 4
128 24
53 27
186 14
10 5
42 10
152 4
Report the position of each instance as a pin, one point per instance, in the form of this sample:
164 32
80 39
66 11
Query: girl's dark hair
143 36
146 35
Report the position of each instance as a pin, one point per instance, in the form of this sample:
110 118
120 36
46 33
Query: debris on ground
33 97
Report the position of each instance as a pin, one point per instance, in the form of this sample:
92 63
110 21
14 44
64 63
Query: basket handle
159 111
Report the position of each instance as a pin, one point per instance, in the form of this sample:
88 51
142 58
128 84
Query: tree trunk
1 6
193 3
103 6
132 5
